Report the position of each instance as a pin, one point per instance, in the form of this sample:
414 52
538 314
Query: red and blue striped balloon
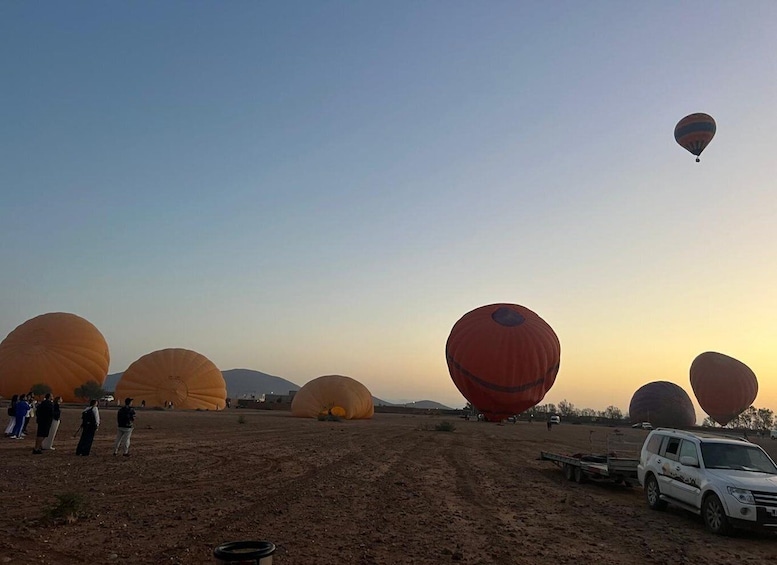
694 132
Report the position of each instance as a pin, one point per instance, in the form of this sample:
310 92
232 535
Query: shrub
70 506
445 426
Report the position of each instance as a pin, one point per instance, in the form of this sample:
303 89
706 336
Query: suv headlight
742 495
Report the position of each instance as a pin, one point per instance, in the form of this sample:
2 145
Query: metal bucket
245 553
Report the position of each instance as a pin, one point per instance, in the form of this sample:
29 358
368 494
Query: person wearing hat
126 419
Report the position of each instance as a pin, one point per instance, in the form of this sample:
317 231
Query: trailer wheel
569 472
579 475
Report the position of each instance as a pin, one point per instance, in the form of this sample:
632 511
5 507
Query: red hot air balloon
503 358
694 132
724 386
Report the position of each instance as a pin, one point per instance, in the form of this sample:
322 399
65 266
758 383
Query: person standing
90 421
44 415
126 420
30 412
48 443
11 416
21 413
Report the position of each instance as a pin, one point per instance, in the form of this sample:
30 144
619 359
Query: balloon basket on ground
245 553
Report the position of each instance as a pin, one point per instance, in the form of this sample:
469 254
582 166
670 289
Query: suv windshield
737 457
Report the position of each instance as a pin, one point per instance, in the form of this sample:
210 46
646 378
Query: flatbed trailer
582 466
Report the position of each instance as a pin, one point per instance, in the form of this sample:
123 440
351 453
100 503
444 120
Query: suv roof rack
703 434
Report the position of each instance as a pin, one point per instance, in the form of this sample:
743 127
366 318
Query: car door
668 460
687 478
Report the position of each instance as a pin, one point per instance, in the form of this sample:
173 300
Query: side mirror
689 461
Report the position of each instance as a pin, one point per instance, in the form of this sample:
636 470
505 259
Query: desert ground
388 490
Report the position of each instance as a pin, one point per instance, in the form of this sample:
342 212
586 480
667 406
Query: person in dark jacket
44 415
126 421
48 443
90 421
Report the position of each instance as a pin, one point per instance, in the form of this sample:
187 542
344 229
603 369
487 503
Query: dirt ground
387 490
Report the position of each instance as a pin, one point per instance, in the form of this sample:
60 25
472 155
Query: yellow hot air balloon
333 394
61 350
182 377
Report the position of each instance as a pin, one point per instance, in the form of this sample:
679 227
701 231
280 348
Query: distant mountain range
245 382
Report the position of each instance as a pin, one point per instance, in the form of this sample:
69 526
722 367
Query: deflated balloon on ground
333 395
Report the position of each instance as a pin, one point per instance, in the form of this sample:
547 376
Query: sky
309 188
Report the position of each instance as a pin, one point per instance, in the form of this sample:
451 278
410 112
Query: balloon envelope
694 132
333 394
503 358
181 376
662 404
61 350
724 386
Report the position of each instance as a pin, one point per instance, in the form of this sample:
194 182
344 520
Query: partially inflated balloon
503 358
724 386
60 350
662 404
694 132
179 376
334 395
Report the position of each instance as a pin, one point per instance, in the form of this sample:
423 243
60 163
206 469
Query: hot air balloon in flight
503 358
61 350
694 132
182 377
334 395
724 386
662 404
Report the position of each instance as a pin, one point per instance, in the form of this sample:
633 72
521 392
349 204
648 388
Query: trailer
582 466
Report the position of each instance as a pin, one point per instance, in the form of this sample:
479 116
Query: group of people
47 415
24 408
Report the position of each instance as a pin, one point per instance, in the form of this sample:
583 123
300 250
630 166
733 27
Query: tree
40 389
567 408
709 423
588 413
612 413
766 418
89 391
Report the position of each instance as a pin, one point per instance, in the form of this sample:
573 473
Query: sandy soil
387 490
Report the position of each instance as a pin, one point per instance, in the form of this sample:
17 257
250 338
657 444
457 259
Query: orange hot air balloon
724 386
333 395
503 358
694 132
183 377
58 349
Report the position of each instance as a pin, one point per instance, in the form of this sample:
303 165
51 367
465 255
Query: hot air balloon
179 376
662 404
724 386
334 395
694 132
61 350
503 358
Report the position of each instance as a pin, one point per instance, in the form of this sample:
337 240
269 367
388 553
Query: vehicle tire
653 494
579 475
569 472
714 516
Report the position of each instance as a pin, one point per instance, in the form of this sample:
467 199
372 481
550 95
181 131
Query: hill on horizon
245 382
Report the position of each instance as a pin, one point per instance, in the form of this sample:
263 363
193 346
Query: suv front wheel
715 516
653 494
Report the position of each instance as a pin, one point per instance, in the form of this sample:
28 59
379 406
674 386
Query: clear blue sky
307 188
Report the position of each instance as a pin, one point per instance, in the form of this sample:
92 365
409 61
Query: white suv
728 481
